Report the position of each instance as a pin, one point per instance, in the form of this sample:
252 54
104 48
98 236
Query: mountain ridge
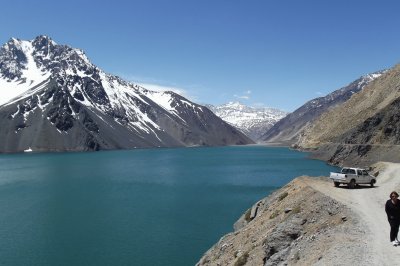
288 130
361 131
54 98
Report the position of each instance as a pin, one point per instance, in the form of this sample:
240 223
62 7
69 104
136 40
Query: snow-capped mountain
53 98
252 121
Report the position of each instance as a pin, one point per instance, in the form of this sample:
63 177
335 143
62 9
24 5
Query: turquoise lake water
139 207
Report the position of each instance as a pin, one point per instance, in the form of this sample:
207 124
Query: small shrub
247 215
274 214
296 210
242 259
282 196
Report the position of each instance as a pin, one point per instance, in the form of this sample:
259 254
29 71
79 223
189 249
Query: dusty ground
369 204
310 222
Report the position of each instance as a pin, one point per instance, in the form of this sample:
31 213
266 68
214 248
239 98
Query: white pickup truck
352 177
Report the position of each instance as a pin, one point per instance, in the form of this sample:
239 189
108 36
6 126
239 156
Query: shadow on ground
358 187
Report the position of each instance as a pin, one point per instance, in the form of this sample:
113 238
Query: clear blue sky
273 53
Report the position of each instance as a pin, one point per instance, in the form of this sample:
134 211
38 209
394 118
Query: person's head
394 195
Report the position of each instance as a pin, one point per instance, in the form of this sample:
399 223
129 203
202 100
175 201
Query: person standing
392 208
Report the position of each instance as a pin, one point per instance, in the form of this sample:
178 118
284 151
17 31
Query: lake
138 207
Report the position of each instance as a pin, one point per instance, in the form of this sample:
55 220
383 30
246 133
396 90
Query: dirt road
369 204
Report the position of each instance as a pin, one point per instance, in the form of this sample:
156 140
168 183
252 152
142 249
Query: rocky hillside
52 98
252 121
288 130
296 225
362 130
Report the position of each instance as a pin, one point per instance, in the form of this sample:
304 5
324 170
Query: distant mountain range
52 98
254 122
288 130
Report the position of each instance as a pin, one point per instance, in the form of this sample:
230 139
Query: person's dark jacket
393 210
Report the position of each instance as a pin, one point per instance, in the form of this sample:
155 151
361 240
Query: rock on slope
288 130
363 130
296 225
52 98
252 121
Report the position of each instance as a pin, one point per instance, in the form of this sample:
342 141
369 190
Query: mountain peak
12 44
39 40
374 75
42 37
42 40
13 40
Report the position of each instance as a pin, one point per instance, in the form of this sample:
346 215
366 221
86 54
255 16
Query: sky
271 53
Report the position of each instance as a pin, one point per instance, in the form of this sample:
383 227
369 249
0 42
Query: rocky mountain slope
288 130
296 225
252 121
362 130
52 98
310 222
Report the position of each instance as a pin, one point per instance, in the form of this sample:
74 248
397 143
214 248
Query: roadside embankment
296 225
310 222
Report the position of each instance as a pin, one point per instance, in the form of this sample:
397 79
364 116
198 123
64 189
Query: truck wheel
352 184
373 181
336 184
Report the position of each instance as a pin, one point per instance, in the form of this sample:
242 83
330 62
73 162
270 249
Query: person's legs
394 230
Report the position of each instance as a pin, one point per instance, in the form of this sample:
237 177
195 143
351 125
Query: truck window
365 172
359 172
351 172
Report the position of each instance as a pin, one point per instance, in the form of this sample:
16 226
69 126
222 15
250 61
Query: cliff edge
309 222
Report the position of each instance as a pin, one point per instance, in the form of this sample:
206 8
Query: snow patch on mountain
22 78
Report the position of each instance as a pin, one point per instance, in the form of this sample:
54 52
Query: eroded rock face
55 99
288 130
296 225
374 139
